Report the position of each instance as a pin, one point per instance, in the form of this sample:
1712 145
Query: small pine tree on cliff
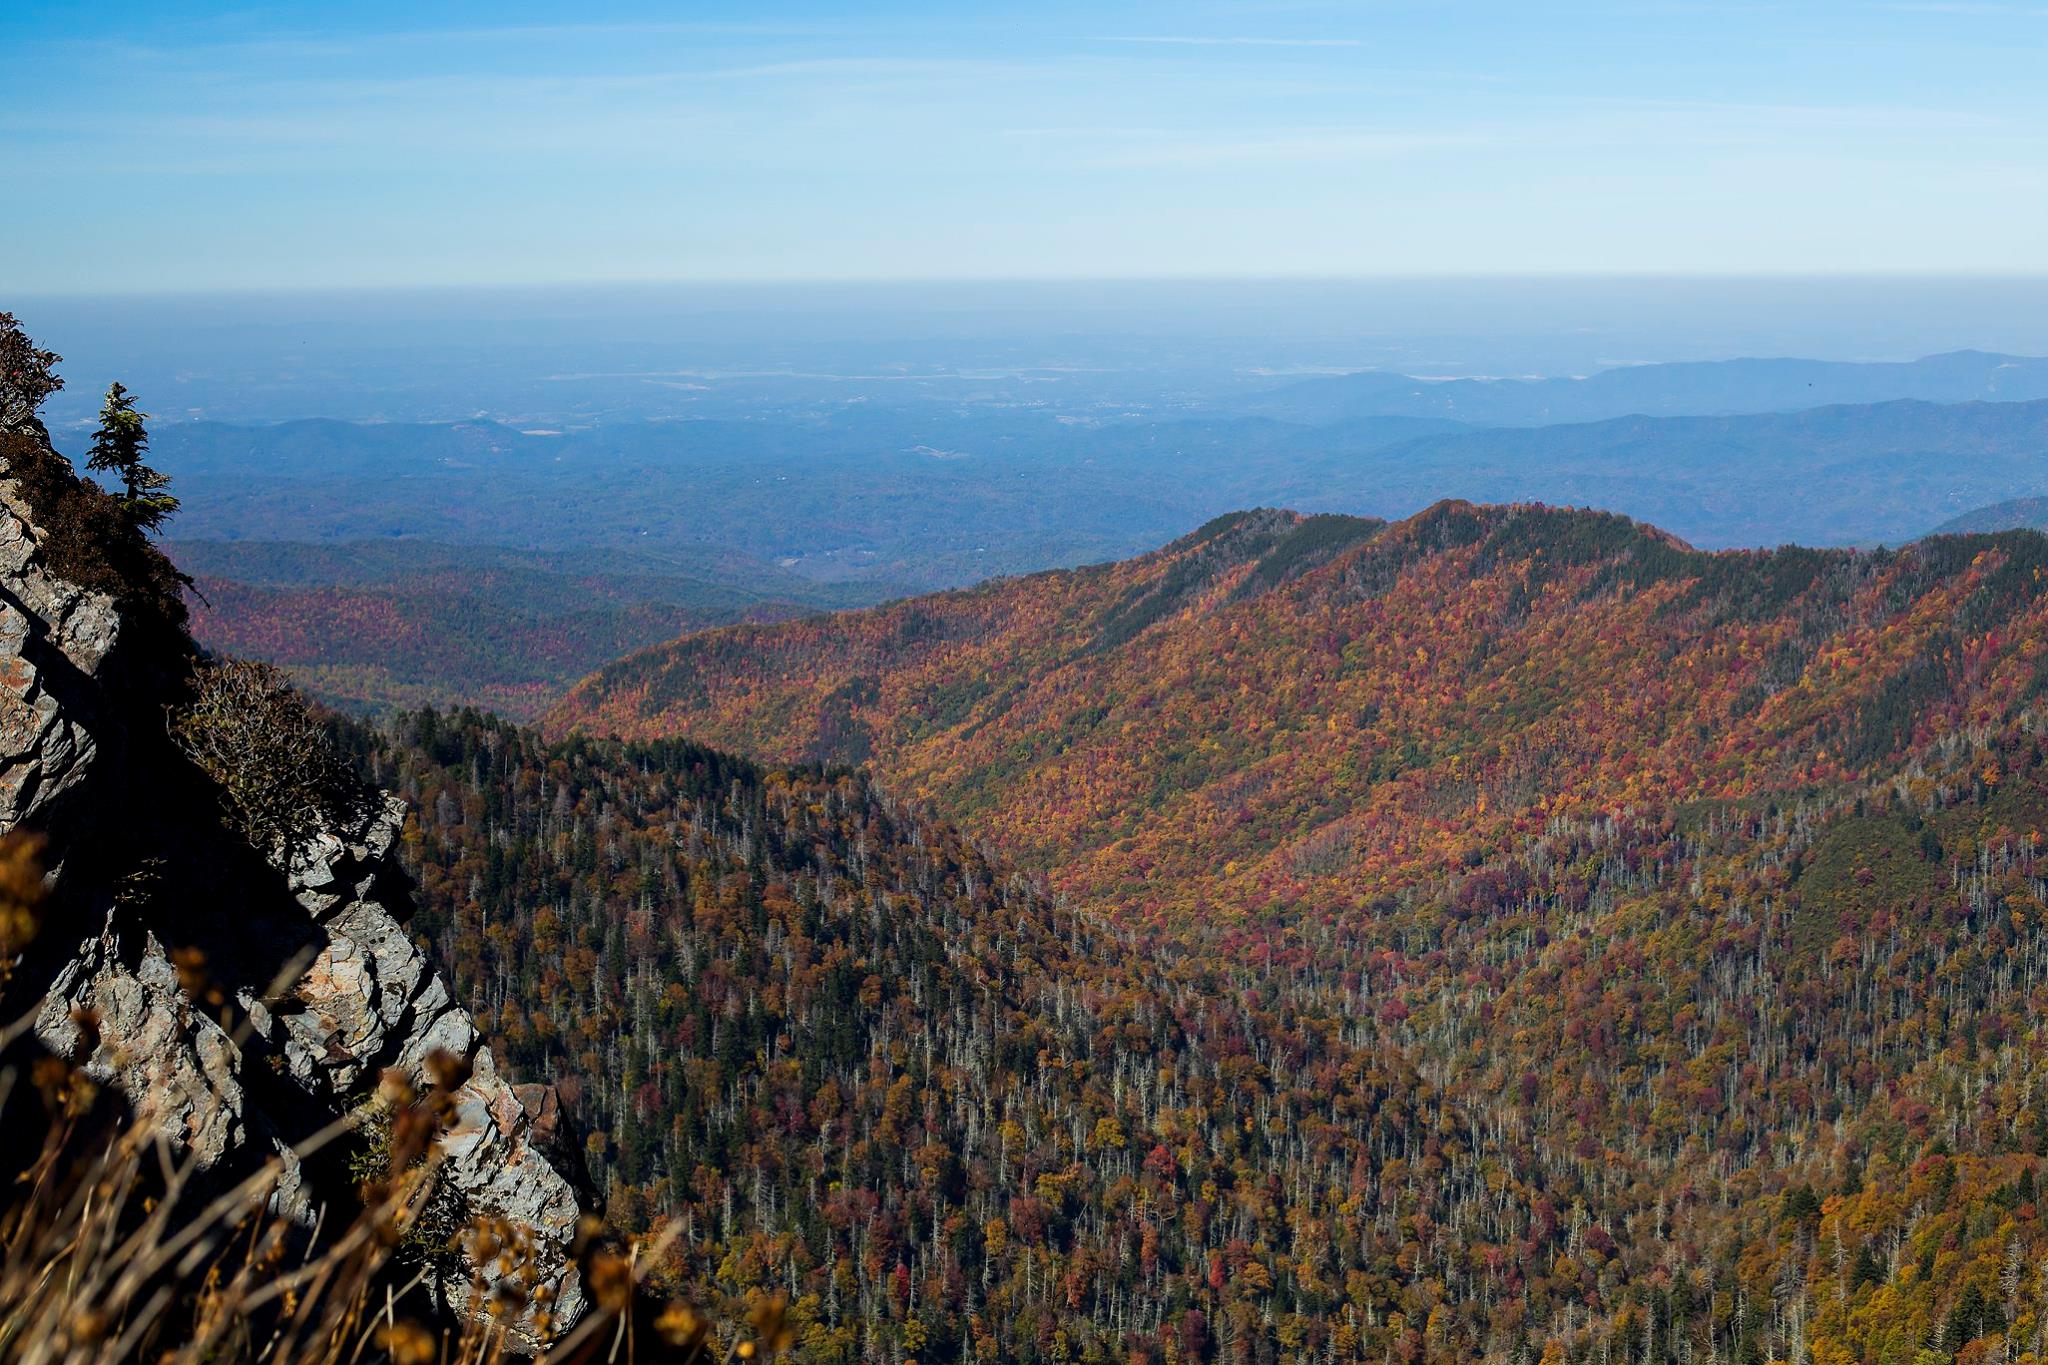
117 448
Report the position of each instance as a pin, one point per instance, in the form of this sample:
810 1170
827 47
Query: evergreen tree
1972 1317
118 447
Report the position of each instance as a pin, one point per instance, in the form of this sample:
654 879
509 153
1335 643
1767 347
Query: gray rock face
53 639
355 997
368 1002
178 1068
368 999
149 1041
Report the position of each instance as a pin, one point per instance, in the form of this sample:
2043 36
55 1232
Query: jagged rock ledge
355 996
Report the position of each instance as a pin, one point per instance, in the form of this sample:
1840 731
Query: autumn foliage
1508 934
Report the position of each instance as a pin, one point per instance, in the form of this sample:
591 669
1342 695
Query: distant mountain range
908 505
1822 476
1697 388
374 558
2015 514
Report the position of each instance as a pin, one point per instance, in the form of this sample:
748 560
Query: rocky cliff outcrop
239 998
54 637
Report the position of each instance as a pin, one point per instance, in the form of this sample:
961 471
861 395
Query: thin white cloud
1304 146
1177 40
1665 126
1988 9
319 44
886 67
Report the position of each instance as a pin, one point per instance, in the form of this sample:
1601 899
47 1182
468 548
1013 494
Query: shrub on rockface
28 375
89 538
280 776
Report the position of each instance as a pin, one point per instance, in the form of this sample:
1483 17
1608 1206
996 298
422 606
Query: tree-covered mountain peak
1278 710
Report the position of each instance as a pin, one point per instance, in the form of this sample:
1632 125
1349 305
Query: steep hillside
1714 1083
1701 897
1279 713
857 1061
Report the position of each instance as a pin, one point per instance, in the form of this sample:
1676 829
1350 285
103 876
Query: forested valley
1730 1060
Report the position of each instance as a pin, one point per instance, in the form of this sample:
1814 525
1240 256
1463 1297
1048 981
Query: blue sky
173 147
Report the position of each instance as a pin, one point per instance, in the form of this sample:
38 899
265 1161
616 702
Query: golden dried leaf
407 1343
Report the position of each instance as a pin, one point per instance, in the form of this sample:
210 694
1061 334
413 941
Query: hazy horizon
396 354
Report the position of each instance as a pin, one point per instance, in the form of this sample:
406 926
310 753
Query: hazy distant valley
534 553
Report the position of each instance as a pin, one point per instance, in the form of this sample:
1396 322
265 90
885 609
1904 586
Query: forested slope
1532 938
1286 714
1723 1080
406 623
868 1067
